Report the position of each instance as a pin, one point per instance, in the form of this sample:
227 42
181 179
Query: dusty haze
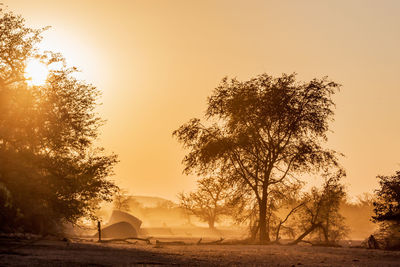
157 61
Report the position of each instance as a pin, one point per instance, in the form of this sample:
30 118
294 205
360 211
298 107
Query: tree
121 200
387 203
320 212
263 132
49 164
387 211
210 201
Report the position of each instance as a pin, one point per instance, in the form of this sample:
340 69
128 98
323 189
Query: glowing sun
36 72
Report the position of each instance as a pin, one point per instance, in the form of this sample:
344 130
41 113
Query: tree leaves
48 161
387 203
262 132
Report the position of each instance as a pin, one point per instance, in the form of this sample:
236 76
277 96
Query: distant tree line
51 172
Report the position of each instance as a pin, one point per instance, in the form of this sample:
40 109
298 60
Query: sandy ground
85 253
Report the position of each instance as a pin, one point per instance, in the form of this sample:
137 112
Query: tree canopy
319 215
387 212
210 201
50 169
387 203
264 132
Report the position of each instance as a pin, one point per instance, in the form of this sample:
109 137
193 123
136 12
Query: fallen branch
126 240
308 242
176 243
320 244
211 242
247 241
326 244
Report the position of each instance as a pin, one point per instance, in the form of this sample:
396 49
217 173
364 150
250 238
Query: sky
157 61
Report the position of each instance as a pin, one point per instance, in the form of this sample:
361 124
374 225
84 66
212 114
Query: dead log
176 243
308 242
126 240
211 242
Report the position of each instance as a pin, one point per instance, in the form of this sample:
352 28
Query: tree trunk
264 235
309 230
287 217
326 235
211 224
254 231
268 221
277 231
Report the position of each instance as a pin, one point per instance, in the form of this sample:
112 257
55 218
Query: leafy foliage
48 161
387 203
263 132
320 215
210 201
121 200
387 211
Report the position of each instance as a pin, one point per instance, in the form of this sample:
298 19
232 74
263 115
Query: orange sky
157 61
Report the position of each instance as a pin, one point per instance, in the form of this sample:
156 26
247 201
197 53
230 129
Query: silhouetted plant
210 201
319 216
387 203
48 161
387 211
262 132
122 200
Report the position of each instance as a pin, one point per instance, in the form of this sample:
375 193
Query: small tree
387 211
121 200
210 201
387 203
320 215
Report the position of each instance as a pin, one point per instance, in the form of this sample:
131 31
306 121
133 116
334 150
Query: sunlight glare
36 72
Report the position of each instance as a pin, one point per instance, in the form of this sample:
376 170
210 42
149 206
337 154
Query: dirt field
59 253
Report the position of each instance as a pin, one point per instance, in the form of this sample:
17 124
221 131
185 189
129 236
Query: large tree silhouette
263 131
50 169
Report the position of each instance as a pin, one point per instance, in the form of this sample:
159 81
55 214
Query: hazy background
157 61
